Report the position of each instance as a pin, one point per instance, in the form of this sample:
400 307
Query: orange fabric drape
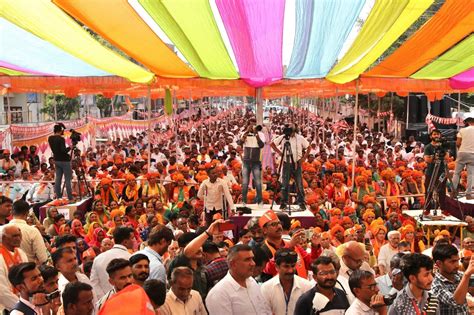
448 26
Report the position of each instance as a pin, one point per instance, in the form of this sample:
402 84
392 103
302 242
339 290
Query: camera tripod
287 155
78 168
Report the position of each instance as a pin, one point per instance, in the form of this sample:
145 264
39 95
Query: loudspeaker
423 108
436 108
413 110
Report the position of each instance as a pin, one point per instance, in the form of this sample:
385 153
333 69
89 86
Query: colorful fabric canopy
456 60
33 55
192 28
124 28
452 23
180 44
322 28
255 30
47 21
386 22
463 80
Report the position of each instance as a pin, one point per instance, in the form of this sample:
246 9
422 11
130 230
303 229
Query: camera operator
252 141
292 164
465 144
62 161
435 150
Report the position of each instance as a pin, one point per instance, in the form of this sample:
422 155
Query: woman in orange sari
180 191
130 191
337 235
105 191
379 232
408 235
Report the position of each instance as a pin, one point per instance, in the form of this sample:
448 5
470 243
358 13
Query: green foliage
66 108
104 105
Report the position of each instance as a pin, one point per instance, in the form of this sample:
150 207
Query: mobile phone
308 233
367 241
471 282
226 226
53 295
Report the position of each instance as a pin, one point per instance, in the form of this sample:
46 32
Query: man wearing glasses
368 299
352 259
324 298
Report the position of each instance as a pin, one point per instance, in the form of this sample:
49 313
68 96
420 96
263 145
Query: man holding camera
435 150
62 161
253 140
465 158
295 148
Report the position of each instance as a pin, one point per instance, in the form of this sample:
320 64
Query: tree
104 105
66 107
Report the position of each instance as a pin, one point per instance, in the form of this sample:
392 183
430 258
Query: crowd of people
157 230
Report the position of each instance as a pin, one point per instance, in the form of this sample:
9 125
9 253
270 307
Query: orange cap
268 216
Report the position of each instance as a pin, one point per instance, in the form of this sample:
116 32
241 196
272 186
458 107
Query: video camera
287 131
442 148
75 137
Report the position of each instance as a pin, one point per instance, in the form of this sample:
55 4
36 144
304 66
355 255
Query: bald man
352 259
10 254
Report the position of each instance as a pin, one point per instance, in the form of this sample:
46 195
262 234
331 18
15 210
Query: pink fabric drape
255 30
462 81
8 65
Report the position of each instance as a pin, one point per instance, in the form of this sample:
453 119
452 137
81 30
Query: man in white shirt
120 276
182 299
465 157
387 251
123 238
32 242
353 258
292 163
238 293
368 299
282 291
11 253
212 191
65 261
41 192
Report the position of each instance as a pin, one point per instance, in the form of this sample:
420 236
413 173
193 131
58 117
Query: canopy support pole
259 105
148 104
459 107
9 117
408 110
378 113
354 141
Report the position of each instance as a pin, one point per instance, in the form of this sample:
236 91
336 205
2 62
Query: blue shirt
157 269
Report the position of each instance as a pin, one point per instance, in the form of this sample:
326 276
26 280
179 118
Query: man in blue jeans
62 161
252 141
296 153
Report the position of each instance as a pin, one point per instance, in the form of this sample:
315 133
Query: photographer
292 164
252 141
435 150
465 158
62 161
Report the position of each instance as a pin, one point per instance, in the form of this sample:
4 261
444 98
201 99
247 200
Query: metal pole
9 118
459 107
378 113
408 110
354 141
148 103
259 106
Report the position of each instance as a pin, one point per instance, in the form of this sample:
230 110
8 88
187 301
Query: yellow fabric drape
47 21
454 61
117 21
387 21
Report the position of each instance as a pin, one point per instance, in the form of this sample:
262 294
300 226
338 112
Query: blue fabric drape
25 50
322 27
